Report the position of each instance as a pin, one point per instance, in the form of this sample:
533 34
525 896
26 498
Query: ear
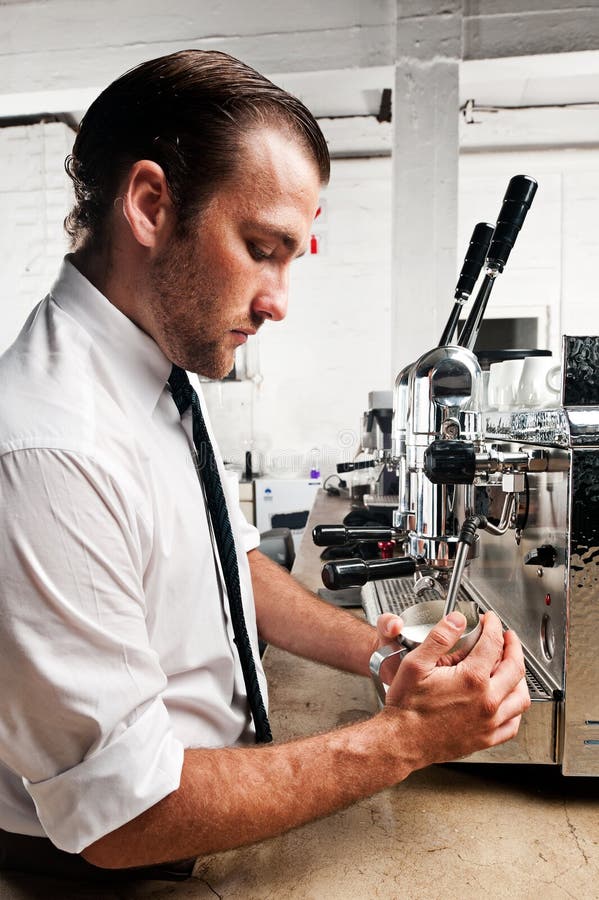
147 205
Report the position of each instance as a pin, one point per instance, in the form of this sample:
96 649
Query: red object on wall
314 244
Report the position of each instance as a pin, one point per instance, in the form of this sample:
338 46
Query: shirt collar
143 366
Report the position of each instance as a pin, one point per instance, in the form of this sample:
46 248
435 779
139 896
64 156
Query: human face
214 287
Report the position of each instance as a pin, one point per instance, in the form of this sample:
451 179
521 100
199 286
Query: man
125 733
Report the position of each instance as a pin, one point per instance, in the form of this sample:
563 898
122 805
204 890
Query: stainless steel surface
537 481
456 579
443 391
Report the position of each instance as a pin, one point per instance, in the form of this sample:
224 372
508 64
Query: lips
240 337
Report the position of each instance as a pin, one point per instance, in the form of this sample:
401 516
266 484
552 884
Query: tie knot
181 389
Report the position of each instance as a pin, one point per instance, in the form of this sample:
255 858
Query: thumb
441 639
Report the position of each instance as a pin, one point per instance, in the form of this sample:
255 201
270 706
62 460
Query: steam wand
467 537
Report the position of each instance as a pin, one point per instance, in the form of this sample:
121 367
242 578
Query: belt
39 856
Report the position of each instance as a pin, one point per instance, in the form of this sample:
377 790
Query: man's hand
456 708
388 628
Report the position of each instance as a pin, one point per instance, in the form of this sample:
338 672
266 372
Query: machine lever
516 203
473 263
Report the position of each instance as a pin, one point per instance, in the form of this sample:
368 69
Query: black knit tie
185 396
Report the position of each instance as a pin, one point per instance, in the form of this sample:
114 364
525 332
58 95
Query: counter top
468 830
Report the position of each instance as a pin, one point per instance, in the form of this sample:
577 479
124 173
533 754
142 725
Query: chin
215 369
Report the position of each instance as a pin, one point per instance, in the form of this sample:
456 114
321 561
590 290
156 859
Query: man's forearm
434 713
296 620
231 797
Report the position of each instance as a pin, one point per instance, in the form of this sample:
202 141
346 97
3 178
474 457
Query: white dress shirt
116 647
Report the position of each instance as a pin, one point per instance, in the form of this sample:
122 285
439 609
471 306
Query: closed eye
256 253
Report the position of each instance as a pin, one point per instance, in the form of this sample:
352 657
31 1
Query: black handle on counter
516 203
354 466
336 535
473 263
346 573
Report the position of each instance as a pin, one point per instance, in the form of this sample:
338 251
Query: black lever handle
516 203
346 573
336 535
474 260
473 263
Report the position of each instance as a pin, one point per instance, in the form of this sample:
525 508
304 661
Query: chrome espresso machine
499 509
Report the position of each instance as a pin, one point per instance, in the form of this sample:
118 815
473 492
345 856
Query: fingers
388 626
511 669
488 650
515 704
438 642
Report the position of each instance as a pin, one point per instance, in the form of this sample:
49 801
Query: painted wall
61 45
312 373
34 199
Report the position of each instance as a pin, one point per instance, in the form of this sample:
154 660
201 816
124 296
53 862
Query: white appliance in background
284 503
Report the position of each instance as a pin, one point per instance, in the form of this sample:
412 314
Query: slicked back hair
189 112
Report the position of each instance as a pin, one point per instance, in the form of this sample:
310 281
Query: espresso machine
499 509
372 482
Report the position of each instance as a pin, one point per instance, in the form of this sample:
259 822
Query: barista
125 733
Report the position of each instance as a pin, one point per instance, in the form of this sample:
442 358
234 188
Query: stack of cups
502 390
531 383
540 383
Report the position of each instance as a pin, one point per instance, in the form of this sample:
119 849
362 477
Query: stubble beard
185 307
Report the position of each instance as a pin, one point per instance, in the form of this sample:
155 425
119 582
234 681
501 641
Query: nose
270 301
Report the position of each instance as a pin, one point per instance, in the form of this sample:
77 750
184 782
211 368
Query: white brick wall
34 199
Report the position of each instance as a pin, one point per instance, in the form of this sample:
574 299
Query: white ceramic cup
504 380
540 383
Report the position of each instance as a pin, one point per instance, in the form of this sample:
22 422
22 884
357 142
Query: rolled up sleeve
83 726
124 779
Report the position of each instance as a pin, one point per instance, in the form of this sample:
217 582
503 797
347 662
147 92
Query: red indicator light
547 599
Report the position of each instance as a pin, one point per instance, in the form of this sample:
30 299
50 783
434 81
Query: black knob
516 203
544 556
450 462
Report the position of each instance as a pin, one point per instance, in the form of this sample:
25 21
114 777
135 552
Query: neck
96 266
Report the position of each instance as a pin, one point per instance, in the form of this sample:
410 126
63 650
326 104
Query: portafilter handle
342 468
345 573
337 535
